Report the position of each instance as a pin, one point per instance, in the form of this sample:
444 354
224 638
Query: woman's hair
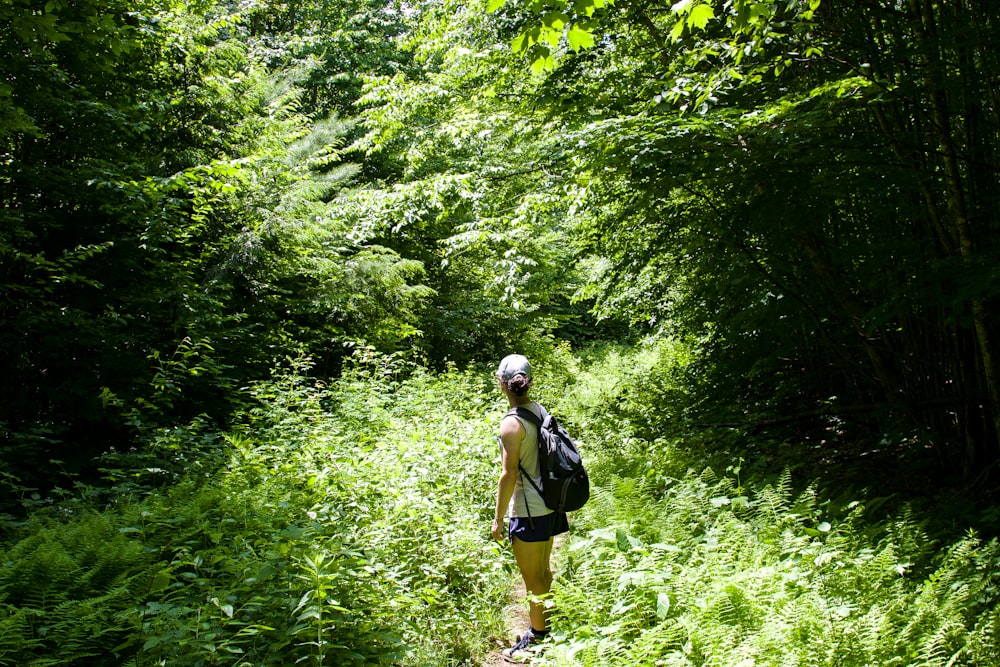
519 384
515 373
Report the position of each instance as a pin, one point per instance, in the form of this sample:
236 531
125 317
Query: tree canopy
194 191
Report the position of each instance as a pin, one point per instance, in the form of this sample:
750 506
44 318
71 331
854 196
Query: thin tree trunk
925 28
856 312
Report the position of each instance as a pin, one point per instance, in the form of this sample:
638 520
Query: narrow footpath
515 614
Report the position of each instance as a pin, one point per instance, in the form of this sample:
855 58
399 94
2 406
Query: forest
259 260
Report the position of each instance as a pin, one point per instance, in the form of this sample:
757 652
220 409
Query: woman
532 524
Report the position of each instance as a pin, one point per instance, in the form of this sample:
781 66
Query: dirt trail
516 619
515 622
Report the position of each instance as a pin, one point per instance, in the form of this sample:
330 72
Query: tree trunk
926 33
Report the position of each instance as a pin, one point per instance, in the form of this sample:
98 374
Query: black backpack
565 484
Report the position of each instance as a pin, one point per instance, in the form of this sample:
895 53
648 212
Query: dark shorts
539 528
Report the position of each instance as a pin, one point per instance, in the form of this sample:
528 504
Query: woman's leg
533 561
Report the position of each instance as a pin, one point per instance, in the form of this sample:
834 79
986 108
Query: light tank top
535 505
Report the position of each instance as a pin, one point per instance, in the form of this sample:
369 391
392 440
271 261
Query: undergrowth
685 556
347 525
337 525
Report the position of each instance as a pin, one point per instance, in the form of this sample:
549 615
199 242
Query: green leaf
623 541
311 613
526 39
579 38
555 20
677 32
494 5
160 580
543 63
662 605
226 609
700 16
551 36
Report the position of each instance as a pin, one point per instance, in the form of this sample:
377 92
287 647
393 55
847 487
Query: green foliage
168 229
748 27
713 571
344 524
329 48
672 563
472 185
67 590
796 199
755 175
337 525
74 70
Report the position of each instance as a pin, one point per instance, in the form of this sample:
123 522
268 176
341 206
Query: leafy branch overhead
582 23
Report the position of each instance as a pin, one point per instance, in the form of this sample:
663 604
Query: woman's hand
497 530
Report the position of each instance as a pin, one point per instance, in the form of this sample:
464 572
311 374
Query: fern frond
983 645
17 638
709 476
773 501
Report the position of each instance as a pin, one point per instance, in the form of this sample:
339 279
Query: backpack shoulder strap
525 413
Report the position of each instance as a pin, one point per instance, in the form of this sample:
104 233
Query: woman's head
515 374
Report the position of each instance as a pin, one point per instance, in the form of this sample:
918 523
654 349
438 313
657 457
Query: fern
66 586
17 639
983 646
671 563
772 581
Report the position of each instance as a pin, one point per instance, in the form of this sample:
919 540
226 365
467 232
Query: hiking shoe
525 646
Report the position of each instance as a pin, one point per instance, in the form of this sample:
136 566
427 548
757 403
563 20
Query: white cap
513 365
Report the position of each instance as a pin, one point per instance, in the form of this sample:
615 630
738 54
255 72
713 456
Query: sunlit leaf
551 36
543 63
700 16
678 31
555 20
662 605
579 38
